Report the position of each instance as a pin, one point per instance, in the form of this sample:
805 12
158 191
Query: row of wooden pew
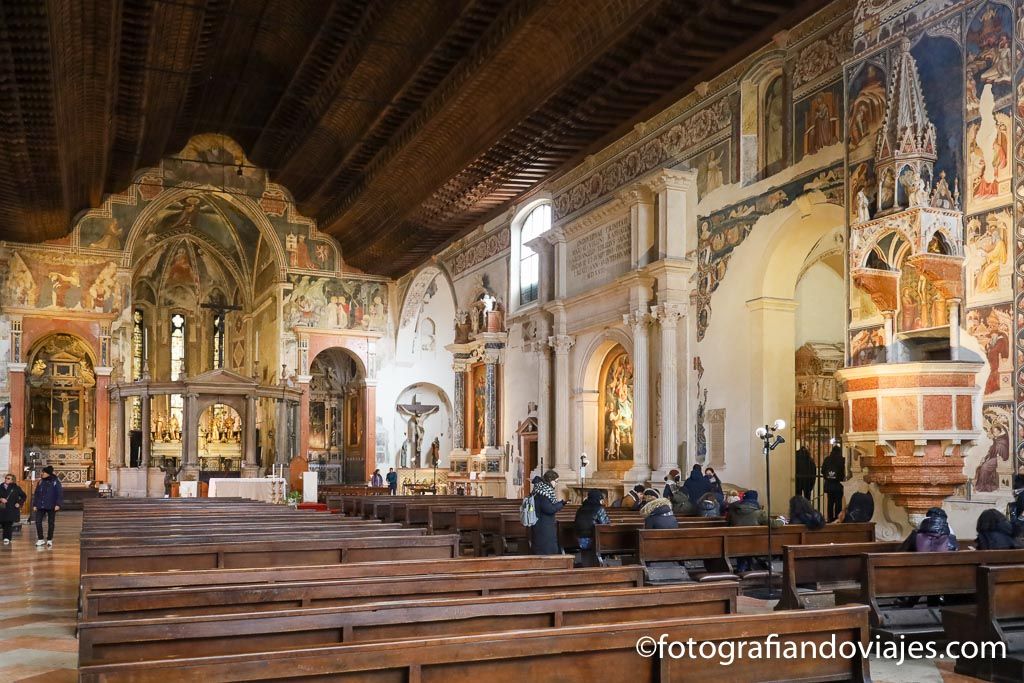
186 590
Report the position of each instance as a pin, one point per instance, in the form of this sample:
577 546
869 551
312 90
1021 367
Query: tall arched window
177 364
537 222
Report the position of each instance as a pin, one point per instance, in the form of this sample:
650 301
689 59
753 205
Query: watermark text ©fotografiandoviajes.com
899 651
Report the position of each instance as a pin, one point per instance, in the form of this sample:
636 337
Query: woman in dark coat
861 508
11 500
696 485
801 512
995 532
544 539
806 471
590 514
657 512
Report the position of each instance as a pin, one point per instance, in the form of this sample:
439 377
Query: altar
264 489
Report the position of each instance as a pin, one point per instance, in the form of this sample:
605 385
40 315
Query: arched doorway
336 438
60 400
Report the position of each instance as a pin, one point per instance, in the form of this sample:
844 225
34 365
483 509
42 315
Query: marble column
667 457
190 434
641 471
561 344
543 407
117 428
303 426
459 407
369 428
281 433
146 429
100 464
249 468
491 402
16 382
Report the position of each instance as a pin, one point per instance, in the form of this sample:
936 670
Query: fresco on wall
336 304
989 57
714 168
991 326
862 179
50 280
866 109
215 160
721 232
774 123
922 305
307 254
994 471
616 406
988 158
867 346
817 121
987 242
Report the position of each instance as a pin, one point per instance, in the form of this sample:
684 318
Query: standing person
589 515
48 498
805 473
376 481
544 540
11 499
833 471
392 481
696 485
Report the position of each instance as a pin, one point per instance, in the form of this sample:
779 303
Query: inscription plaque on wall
598 257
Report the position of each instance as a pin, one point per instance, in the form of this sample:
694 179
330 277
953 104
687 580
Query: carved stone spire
906 131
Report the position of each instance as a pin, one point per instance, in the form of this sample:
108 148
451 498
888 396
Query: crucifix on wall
417 413
220 311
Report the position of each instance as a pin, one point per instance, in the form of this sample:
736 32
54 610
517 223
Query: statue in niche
941 196
462 327
434 456
170 475
863 206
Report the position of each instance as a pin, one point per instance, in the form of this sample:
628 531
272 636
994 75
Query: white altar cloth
253 488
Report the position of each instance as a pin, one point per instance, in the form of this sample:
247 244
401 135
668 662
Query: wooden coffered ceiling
397 124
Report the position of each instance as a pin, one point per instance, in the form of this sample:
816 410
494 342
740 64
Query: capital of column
637 194
638 319
561 343
668 315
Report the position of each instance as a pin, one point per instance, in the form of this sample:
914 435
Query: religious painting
317 425
988 158
774 106
989 61
867 346
713 169
992 327
60 392
866 110
995 469
615 406
989 269
353 418
100 232
477 399
61 281
922 305
215 160
336 304
817 121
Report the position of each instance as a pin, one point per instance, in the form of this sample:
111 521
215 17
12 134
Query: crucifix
417 413
220 311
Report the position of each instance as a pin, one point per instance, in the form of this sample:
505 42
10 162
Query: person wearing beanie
589 515
632 500
671 484
657 511
46 502
544 534
11 498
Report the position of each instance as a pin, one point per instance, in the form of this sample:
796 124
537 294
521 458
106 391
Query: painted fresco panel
865 110
336 304
817 121
54 280
867 346
988 247
991 326
714 168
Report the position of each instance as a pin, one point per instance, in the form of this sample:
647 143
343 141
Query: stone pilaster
638 321
561 343
667 457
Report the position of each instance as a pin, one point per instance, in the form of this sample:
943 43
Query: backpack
528 512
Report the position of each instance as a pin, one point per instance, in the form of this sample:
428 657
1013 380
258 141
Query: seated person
590 514
801 512
657 512
861 508
632 500
937 535
995 532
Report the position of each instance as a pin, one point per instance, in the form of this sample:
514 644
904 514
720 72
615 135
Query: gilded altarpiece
615 406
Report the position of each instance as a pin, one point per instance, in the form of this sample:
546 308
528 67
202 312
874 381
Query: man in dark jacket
833 473
46 501
657 512
11 499
544 536
392 480
805 473
589 515
632 500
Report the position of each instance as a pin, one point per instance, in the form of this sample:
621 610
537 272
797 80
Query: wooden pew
131 640
884 577
620 538
270 527
600 652
716 545
341 592
267 553
998 617
389 530
830 562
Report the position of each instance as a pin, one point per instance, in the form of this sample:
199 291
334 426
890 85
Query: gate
817 428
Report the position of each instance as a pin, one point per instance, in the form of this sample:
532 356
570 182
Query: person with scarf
671 484
632 500
589 515
657 512
995 532
716 489
544 539
11 500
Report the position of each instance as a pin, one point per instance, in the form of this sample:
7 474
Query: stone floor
38 598
39 592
